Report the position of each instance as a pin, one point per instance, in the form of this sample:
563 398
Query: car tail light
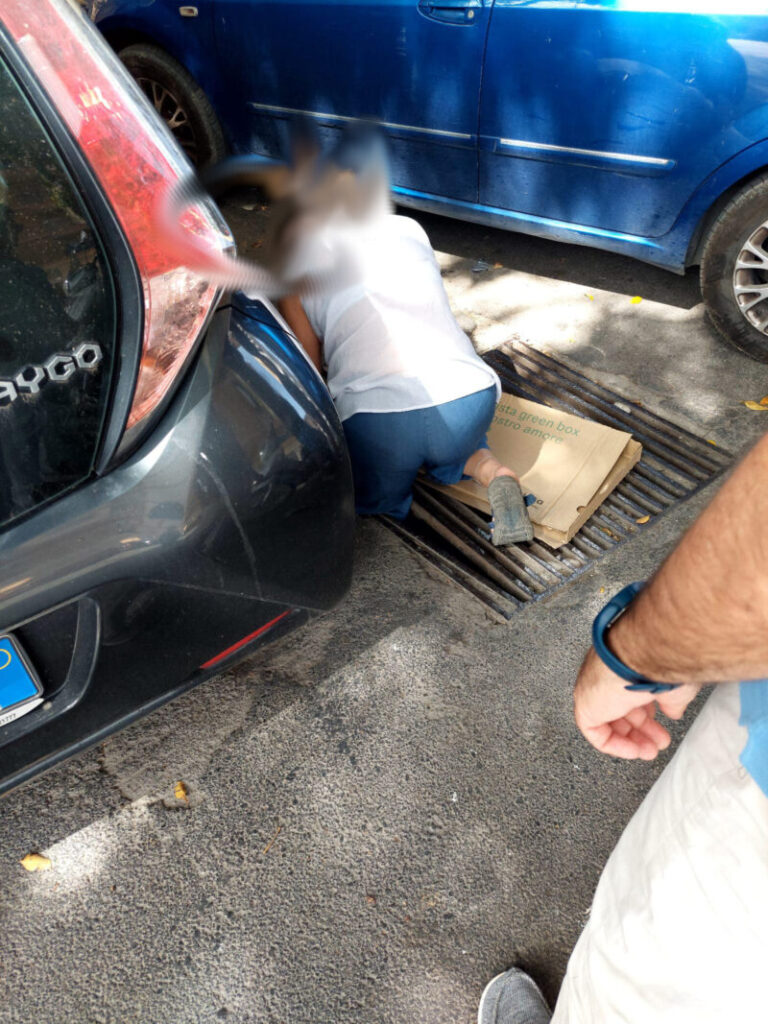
136 163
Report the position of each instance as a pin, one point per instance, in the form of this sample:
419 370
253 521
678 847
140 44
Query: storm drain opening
452 537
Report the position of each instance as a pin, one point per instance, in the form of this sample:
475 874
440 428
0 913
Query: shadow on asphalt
182 738
575 264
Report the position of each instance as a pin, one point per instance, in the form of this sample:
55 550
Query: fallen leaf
713 443
181 792
636 299
497 266
590 297
756 406
602 590
764 400
35 862
642 519
371 900
610 532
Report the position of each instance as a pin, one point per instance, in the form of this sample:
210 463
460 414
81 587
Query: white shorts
678 932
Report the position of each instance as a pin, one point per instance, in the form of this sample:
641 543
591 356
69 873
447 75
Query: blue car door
610 114
412 65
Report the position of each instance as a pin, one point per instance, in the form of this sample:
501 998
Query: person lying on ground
409 388
361 290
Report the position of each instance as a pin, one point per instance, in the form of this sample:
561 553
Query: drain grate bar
525 356
572 392
455 539
448 566
652 441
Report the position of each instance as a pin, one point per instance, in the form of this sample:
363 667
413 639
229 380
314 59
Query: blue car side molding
525 221
628 158
344 119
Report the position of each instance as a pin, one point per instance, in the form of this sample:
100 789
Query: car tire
734 270
179 100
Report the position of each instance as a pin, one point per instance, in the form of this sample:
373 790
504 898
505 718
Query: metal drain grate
675 464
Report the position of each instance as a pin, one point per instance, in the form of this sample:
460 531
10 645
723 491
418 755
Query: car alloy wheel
179 101
750 279
734 270
173 113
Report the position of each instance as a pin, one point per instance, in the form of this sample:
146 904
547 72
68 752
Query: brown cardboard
569 463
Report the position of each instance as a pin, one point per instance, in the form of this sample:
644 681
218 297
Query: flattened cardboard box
570 464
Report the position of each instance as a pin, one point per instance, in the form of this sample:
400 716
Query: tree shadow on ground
593 268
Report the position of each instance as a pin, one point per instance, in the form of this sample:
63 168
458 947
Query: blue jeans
388 449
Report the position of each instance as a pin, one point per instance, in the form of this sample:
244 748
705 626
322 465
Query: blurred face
319 203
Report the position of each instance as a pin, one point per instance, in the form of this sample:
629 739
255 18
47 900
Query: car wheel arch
711 210
121 36
179 98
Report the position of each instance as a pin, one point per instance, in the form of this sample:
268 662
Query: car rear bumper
234 520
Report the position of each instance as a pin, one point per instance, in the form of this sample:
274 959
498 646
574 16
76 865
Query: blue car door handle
452 12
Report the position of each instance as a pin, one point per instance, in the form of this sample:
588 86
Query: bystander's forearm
704 615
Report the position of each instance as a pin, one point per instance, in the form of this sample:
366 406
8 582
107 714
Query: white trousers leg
678 932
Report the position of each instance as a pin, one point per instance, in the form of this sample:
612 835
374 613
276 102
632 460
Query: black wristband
603 621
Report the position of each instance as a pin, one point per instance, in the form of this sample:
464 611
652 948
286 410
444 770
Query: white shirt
389 338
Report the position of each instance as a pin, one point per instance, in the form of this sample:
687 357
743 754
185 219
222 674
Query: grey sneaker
511 522
513 998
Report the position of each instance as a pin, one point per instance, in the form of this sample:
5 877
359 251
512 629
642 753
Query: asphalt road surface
391 806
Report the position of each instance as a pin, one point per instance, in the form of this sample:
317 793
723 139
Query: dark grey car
174 485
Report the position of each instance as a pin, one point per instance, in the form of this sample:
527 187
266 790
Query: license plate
20 689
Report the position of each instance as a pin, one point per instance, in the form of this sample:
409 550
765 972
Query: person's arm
703 618
293 313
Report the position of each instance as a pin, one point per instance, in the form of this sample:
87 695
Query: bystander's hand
622 722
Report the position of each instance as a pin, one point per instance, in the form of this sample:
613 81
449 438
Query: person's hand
622 722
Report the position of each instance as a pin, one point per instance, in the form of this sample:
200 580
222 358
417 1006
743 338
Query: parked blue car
637 126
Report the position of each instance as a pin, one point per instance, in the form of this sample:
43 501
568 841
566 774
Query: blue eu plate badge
20 689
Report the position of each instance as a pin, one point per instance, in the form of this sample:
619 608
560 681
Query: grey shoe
513 998
511 523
